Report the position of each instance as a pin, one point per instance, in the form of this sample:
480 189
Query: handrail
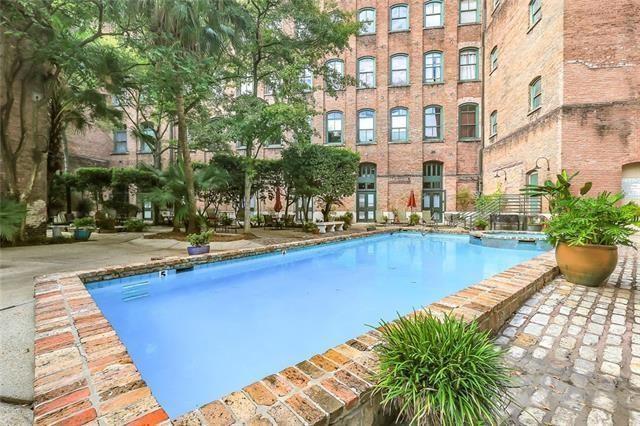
505 203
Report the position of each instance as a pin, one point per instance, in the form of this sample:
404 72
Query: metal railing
519 204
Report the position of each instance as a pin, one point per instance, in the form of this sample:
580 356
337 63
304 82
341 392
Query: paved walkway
576 352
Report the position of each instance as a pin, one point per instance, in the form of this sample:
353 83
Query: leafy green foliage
95 180
558 194
414 219
84 222
135 225
592 221
200 239
12 216
484 202
481 223
441 372
84 207
309 227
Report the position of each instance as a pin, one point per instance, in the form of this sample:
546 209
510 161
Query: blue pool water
196 336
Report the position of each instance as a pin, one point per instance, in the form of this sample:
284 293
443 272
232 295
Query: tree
95 180
282 39
183 43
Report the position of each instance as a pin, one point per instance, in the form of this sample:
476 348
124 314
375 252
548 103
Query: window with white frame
399 124
399 18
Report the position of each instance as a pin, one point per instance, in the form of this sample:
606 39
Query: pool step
134 291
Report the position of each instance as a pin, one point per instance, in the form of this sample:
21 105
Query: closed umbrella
278 205
412 201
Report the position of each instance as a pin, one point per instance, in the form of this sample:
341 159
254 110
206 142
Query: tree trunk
183 146
247 194
325 211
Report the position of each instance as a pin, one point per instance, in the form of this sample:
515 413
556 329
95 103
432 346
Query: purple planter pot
198 250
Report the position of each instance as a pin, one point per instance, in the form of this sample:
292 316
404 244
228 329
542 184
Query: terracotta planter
193 250
588 265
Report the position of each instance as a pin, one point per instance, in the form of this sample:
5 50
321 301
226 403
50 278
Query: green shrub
104 222
347 218
135 225
481 223
12 215
201 239
309 227
593 221
414 219
441 372
84 222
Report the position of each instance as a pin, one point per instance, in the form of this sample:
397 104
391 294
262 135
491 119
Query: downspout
482 101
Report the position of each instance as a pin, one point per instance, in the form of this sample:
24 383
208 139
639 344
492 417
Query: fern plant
12 215
445 372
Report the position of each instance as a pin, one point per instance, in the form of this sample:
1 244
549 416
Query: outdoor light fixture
545 159
497 175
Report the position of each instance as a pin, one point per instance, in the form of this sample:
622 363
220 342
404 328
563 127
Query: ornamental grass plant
441 372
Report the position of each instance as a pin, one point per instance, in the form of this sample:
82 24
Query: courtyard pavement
576 352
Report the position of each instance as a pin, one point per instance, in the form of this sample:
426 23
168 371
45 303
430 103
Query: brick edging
83 372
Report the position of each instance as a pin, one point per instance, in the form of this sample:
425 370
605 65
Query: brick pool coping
83 373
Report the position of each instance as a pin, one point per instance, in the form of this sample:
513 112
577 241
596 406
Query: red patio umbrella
412 201
278 205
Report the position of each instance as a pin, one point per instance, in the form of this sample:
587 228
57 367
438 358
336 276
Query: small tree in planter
481 224
84 226
199 243
435 372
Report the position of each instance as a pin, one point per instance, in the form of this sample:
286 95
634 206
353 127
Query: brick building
562 90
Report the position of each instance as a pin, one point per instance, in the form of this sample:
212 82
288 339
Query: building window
366 72
399 124
535 93
335 74
469 64
433 122
366 126
433 67
367 19
468 11
493 123
148 134
334 127
306 79
468 121
120 141
535 12
399 17
433 14
493 58
399 70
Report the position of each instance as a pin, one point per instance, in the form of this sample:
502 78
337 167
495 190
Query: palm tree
183 41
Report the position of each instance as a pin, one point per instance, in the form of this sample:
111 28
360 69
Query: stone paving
576 352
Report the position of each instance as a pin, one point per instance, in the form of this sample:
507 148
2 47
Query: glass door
366 194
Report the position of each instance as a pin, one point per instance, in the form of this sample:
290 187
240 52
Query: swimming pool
198 335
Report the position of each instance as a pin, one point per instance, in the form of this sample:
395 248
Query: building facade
562 91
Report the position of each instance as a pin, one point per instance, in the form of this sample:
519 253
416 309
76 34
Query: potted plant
586 233
481 224
199 243
414 219
84 226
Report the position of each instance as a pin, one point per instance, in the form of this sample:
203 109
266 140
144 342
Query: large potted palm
586 232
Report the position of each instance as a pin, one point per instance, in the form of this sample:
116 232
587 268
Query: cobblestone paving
576 352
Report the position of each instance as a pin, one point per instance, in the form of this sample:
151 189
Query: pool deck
84 374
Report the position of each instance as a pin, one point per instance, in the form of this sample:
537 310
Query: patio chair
268 221
427 219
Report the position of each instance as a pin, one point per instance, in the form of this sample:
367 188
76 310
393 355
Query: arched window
468 121
493 58
366 194
334 127
399 17
468 11
399 70
493 124
367 176
433 67
535 12
535 93
433 123
399 124
335 74
433 14
432 175
366 72
366 126
367 18
469 64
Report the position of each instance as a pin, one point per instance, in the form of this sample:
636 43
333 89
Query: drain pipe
482 101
